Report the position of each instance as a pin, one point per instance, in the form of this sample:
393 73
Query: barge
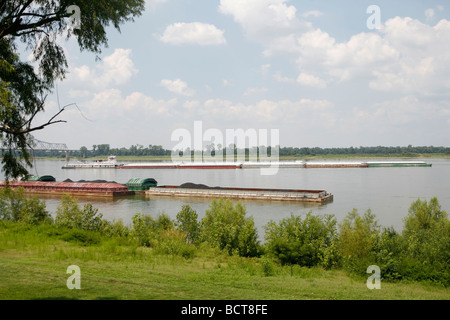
151 165
187 165
320 196
338 164
274 164
373 164
73 188
149 188
281 164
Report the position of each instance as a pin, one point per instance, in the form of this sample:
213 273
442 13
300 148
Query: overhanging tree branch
27 128
21 85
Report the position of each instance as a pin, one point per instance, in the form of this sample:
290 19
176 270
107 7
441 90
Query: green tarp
138 184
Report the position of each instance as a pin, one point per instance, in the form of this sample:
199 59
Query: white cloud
114 70
191 104
255 91
303 111
429 14
265 69
177 86
310 80
226 83
422 65
282 79
264 20
112 103
405 55
312 13
147 105
193 33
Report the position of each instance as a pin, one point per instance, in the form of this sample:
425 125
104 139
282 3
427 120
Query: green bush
173 242
146 229
388 255
81 237
116 229
358 238
187 221
14 206
306 242
69 215
226 227
427 239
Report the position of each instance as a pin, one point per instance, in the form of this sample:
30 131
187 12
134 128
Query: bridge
42 145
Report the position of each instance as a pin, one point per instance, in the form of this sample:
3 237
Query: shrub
69 215
115 229
82 237
226 227
14 206
357 241
306 242
173 242
146 229
187 222
389 255
427 239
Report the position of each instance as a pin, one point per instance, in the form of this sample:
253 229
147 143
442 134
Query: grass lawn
34 262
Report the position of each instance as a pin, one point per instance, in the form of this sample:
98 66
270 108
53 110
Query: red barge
75 188
187 165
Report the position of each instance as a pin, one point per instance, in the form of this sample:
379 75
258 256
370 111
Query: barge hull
398 164
336 165
320 196
74 188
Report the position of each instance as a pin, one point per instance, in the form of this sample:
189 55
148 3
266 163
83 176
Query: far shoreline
281 158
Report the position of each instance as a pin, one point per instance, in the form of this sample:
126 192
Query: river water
388 192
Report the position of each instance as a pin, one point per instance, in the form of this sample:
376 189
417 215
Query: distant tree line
289 151
157 150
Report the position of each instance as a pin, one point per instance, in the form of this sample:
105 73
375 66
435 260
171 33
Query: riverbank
218 256
34 262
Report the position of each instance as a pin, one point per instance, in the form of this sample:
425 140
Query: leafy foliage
38 25
226 227
146 228
427 237
70 215
306 242
358 238
14 206
187 221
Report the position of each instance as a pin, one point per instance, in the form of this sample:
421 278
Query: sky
327 73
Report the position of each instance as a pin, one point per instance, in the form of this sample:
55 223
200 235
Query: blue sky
311 69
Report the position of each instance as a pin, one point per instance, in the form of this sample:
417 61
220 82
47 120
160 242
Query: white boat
110 163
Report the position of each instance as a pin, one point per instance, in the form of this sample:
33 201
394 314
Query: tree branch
7 129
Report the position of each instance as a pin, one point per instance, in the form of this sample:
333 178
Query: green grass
34 261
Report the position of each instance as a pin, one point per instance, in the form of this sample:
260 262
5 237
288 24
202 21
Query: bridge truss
42 145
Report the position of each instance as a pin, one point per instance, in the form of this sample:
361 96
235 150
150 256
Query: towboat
110 163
